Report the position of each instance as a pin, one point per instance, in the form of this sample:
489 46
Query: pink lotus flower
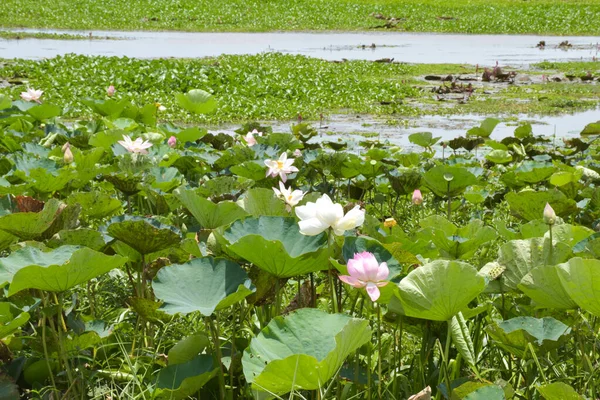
172 142
110 91
250 139
32 95
281 167
417 197
366 272
135 146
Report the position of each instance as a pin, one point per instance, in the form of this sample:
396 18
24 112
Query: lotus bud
549 215
65 147
110 91
417 197
172 142
297 153
68 155
389 223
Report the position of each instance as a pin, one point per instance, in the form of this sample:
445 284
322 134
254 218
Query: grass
565 17
272 87
12 35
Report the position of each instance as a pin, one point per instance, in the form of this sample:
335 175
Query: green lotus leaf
519 257
249 169
95 204
581 281
190 134
591 129
58 270
558 391
207 213
353 245
9 390
42 112
197 101
458 243
145 235
202 284
165 179
302 351
529 205
542 284
404 182
516 334
485 129
126 183
461 179
79 237
31 225
439 290
476 390
499 156
5 102
186 349
179 381
108 108
11 319
523 131
571 234
276 245
263 202
423 139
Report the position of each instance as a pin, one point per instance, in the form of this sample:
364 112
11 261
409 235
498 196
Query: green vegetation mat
571 17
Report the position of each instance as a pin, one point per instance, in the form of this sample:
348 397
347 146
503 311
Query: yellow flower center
280 164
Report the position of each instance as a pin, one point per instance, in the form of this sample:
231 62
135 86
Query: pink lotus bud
172 142
297 153
417 197
549 215
110 91
68 155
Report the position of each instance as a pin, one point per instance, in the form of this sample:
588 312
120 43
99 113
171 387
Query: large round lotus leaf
405 181
591 129
179 381
423 139
534 171
521 256
32 225
263 202
435 179
439 290
107 108
146 235
515 335
499 156
207 213
529 205
477 390
44 111
58 270
485 129
581 280
95 204
276 245
302 351
197 101
558 391
542 284
202 284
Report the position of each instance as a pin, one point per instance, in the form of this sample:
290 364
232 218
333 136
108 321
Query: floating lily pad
437 179
202 284
302 351
276 245
145 235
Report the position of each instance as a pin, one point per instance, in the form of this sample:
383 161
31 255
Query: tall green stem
215 333
332 286
44 342
379 357
446 356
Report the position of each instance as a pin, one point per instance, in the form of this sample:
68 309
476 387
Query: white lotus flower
135 146
281 167
32 95
290 197
324 214
250 139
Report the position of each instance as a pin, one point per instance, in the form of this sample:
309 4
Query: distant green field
561 17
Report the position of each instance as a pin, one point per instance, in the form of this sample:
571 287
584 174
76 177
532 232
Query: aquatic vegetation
149 259
464 16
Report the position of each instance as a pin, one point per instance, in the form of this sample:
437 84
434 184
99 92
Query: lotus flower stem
446 363
332 286
449 212
44 342
379 358
61 347
214 328
369 377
